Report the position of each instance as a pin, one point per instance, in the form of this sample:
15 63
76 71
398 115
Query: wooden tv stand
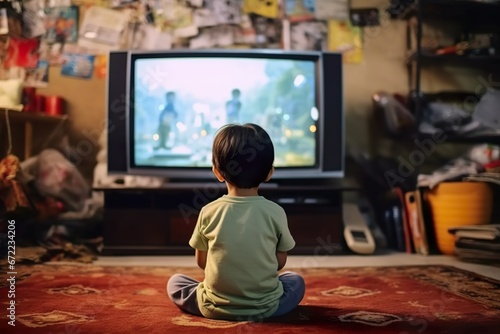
160 221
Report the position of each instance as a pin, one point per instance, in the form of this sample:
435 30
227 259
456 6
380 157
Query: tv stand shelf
160 221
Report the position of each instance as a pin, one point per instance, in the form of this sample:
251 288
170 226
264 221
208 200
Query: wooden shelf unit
29 120
160 221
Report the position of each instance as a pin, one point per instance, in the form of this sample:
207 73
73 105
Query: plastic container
456 204
54 105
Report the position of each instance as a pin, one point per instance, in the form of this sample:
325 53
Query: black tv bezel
132 165
330 136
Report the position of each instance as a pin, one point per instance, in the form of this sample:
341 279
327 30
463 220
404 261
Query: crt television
164 107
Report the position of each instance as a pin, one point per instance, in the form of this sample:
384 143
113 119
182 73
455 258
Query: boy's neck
235 191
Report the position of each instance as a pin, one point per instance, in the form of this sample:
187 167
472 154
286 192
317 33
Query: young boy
241 239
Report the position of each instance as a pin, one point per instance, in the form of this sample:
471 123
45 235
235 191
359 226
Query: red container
28 97
40 103
54 105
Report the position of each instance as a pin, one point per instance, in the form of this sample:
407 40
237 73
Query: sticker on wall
345 38
267 31
269 8
308 36
22 52
332 9
245 32
204 17
100 66
78 65
179 19
102 28
33 19
299 10
121 3
212 37
61 24
51 52
225 11
39 76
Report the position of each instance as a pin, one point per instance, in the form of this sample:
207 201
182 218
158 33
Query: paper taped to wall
102 28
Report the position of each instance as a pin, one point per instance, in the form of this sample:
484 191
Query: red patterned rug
80 299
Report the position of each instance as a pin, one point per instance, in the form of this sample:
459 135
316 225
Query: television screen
180 102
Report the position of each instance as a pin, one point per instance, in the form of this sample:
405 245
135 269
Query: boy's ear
271 172
218 174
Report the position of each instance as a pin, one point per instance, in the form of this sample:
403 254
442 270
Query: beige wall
383 69
85 98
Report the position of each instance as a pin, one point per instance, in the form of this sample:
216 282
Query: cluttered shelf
447 117
28 120
449 138
478 3
455 59
456 138
452 198
470 10
468 33
22 116
465 9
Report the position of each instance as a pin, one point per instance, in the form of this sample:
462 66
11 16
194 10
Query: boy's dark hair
244 154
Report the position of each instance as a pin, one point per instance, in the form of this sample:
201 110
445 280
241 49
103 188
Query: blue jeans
181 289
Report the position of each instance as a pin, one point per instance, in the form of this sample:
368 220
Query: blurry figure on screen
167 120
233 106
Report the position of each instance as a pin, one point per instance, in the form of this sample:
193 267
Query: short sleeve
198 240
286 241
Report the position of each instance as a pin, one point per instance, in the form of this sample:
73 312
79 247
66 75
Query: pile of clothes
53 207
456 114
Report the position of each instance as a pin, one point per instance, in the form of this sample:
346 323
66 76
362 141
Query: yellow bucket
457 204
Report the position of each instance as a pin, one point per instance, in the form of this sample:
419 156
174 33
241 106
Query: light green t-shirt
241 236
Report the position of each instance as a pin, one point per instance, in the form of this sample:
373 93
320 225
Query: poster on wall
212 37
345 38
269 8
121 3
61 24
299 10
204 17
147 37
78 65
225 11
52 53
332 9
308 36
102 28
100 66
267 31
22 52
245 33
39 76
33 19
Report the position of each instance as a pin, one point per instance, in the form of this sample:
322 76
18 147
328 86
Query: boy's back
241 235
241 239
